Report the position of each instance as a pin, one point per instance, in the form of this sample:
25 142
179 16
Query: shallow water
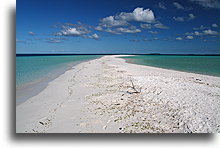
33 73
208 65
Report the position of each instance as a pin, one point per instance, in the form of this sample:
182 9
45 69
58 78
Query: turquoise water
34 68
208 65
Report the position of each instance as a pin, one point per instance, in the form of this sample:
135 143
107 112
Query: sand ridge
108 95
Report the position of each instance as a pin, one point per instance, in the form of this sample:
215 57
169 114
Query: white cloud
75 30
122 19
31 33
214 25
189 37
157 25
182 19
121 30
207 3
210 32
179 38
179 19
99 28
197 33
200 28
127 30
205 32
146 26
110 21
112 31
191 16
94 36
162 5
178 6
153 32
160 26
71 31
139 14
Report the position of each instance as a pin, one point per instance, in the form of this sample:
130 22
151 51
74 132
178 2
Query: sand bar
108 95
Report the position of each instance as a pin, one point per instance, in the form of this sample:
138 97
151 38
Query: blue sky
125 26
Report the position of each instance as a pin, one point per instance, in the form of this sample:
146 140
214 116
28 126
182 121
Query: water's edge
131 61
28 90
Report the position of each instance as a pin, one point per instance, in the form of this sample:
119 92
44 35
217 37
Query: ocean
33 73
208 65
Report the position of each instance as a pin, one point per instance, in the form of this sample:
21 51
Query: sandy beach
108 95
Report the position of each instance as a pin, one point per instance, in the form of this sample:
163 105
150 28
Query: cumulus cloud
162 5
146 26
214 25
121 30
139 15
207 3
110 21
73 30
158 25
179 38
99 28
128 30
189 37
210 32
200 28
94 36
131 29
182 19
112 31
153 32
67 31
122 19
31 33
191 16
161 26
197 33
179 19
121 23
204 32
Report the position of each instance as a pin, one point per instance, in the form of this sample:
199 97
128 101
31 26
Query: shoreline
33 88
172 69
97 96
130 62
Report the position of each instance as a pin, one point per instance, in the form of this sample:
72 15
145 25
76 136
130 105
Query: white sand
97 96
